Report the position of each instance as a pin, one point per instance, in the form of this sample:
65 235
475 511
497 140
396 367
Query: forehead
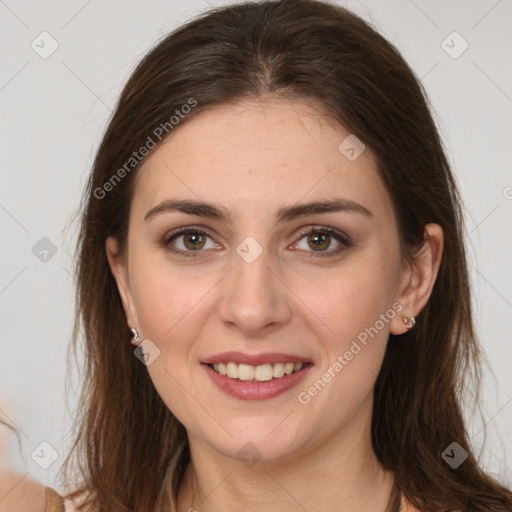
255 153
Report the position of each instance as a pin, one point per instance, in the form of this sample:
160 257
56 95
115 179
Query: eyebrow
212 211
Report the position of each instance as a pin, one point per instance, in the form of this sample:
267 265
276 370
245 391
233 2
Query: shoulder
406 506
19 492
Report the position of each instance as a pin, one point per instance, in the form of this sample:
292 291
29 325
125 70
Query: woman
272 217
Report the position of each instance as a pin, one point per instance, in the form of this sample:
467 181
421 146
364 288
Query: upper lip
255 359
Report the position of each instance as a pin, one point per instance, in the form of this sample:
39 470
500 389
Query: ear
118 267
419 277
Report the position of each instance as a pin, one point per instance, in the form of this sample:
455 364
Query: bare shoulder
19 492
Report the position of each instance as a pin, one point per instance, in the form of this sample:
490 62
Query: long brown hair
130 451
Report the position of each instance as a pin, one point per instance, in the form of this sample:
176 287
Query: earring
136 336
409 322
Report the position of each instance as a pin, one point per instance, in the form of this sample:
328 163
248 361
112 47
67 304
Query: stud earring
409 322
136 336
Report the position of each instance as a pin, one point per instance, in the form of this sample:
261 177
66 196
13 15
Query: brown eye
194 241
186 242
322 241
319 241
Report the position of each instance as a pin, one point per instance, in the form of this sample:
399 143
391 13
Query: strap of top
54 501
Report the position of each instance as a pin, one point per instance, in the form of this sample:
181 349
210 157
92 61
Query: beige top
57 503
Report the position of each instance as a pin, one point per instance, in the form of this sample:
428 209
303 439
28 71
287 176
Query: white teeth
245 372
278 370
232 370
262 373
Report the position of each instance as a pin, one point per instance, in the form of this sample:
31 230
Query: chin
259 439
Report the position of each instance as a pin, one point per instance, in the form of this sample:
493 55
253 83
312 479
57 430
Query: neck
340 473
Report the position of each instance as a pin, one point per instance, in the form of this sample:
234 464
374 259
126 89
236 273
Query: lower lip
247 390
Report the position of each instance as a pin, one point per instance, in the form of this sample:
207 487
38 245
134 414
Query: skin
253 158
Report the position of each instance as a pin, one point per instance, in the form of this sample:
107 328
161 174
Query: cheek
171 308
353 296
355 305
169 302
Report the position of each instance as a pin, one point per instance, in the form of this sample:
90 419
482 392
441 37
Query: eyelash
343 239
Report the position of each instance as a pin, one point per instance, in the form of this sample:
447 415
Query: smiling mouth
261 373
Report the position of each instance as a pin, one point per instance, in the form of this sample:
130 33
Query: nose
254 300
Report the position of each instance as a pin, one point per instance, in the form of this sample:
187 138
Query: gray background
54 111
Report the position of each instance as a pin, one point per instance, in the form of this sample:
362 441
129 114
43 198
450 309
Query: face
258 274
